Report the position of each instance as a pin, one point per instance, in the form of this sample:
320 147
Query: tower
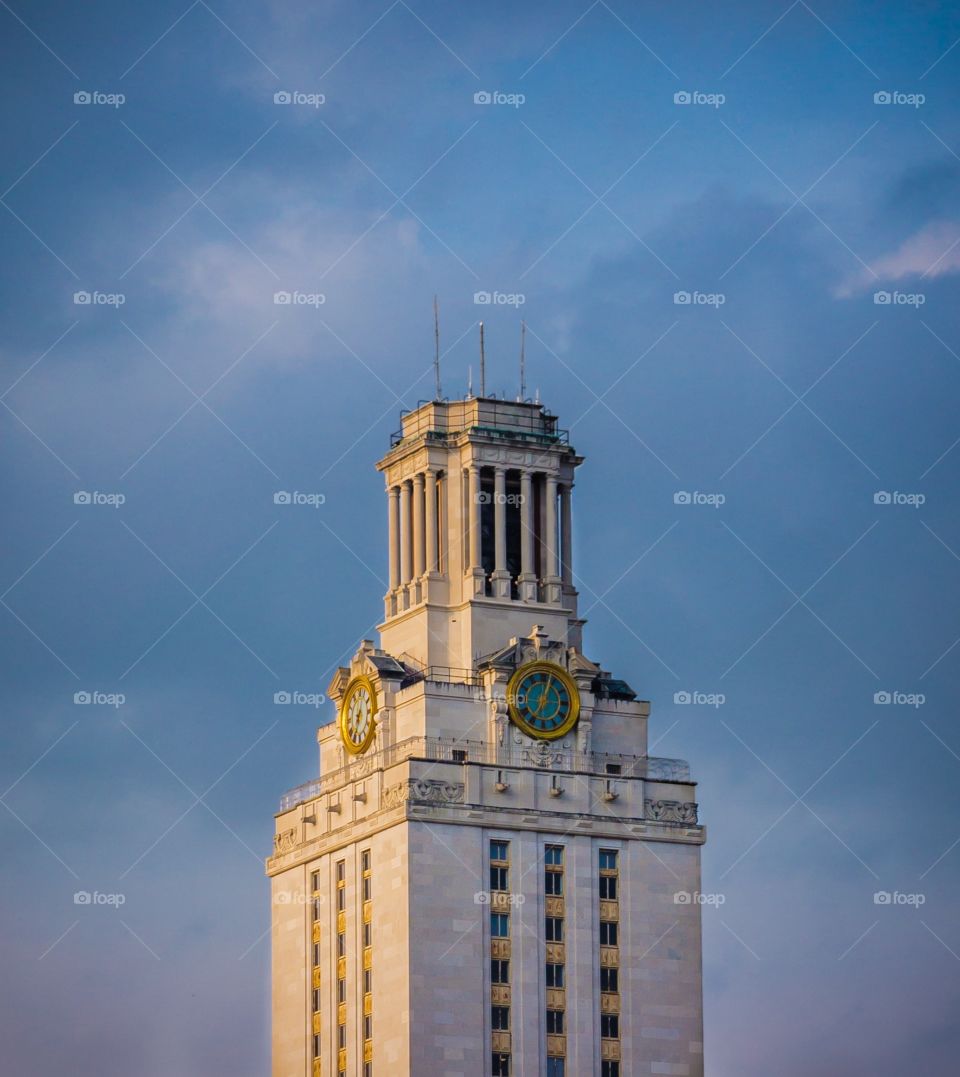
490 876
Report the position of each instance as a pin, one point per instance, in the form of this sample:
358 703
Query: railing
545 755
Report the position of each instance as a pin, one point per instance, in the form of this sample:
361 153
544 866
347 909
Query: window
553 855
342 1037
554 928
367 934
553 883
609 1069
608 933
341 990
316 999
500 1018
555 1022
341 898
608 887
368 1069
367 887
317 906
499 925
608 859
498 850
610 1026
368 1027
341 870
367 981
316 953
501 1066
554 975
341 945
499 878
458 755
315 881
609 979
316 1046
499 971
556 1067
365 860
614 768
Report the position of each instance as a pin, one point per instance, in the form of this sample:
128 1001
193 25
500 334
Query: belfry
490 875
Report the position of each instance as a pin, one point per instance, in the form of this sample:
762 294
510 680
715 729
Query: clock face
357 715
543 700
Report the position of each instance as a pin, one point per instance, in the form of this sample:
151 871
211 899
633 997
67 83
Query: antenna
483 367
470 381
436 346
523 368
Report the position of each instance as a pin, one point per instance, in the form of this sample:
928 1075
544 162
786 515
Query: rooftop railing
451 750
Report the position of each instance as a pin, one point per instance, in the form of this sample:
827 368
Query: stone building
490 876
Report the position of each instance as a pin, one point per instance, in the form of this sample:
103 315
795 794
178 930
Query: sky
734 235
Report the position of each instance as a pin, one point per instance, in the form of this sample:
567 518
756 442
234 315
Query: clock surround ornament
543 700
358 711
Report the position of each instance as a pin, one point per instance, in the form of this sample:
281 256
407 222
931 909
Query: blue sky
784 386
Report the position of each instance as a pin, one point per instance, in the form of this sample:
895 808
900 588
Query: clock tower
490 876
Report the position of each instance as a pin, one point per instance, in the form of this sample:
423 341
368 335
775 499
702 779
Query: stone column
551 577
566 535
432 513
393 538
501 577
527 578
419 559
406 551
475 566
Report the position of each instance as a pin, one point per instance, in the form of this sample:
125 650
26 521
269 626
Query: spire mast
483 366
436 347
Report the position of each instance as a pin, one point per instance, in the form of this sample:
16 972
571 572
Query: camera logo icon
81 299
681 298
882 299
882 97
681 497
681 697
482 97
282 97
882 497
82 897
82 97
81 697
682 897
482 298
282 298
281 497
81 497
281 697
682 97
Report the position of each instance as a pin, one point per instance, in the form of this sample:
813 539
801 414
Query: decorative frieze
671 811
285 841
423 791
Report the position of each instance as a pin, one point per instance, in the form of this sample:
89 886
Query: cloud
933 251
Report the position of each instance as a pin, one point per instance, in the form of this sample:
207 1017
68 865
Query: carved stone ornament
285 841
421 791
543 754
500 713
671 811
